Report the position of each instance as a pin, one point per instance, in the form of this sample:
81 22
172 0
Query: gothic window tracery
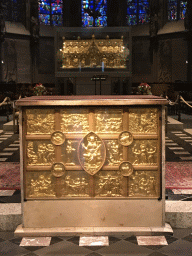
51 12
94 13
137 12
176 9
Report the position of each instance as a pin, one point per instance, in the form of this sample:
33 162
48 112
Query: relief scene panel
40 184
69 152
108 184
109 120
143 183
40 121
74 120
40 153
143 152
143 120
114 152
75 184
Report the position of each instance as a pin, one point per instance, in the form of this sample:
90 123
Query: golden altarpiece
93 162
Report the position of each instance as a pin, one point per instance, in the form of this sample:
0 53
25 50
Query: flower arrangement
39 89
144 88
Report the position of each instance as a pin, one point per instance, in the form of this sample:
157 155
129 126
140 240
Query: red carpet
178 175
9 176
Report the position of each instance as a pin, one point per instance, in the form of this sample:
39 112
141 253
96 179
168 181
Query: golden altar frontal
93 162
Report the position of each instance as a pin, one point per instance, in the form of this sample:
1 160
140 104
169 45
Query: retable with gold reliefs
102 153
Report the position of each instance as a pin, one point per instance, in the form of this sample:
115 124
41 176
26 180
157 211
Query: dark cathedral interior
100 163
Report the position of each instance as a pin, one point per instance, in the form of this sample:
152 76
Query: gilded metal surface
143 152
92 52
143 183
69 152
75 184
74 120
92 153
114 152
125 138
126 168
57 138
143 120
40 185
40 121
40 153
58 169
108 184
108 120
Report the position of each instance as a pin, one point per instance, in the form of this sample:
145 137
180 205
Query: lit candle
102 66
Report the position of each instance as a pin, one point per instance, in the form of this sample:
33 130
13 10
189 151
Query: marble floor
180 244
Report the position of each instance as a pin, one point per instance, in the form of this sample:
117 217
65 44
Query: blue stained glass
172 10
57 20
44 19
143 12
87 8
56 9
183 7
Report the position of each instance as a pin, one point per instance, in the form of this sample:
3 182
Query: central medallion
92 153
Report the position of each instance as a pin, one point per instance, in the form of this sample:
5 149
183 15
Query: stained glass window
94 13
137 12
176 9
183 7
51 12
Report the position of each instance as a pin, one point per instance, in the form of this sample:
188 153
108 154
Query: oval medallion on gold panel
58 169
126 168
91 153
125 138
57 138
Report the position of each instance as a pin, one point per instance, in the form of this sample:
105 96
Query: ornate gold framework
91 53
92 153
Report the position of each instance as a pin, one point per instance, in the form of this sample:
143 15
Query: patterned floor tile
178 248
3 159
17 241
74 240
6 192
35 241
181 232
151 240
63 248
122 248
94 241
9 249
157 254
188 238
6 235
181 152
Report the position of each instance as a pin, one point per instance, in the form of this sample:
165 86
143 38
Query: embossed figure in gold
125 138
41 186
126 168
143 184
143 120
92 153
39 153
93 51
114 152
75 187
144 152
57 138
40 121
58 169
109 185
74 121
70 153
108 121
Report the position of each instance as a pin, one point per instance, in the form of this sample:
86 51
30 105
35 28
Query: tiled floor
180 244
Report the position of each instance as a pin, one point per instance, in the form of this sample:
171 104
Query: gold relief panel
109 120
126 169
69 152
143 152
40 153
108 184
74 120
143 120
75 184
125 138
57 138
143 183
40 185
92 153
58 170
40 121
114 152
